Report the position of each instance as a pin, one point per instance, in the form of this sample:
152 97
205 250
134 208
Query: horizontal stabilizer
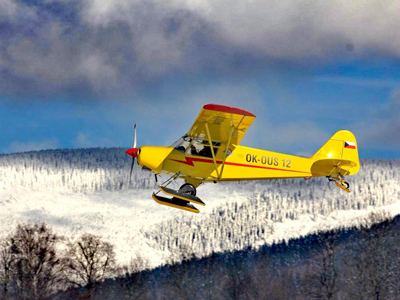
176 203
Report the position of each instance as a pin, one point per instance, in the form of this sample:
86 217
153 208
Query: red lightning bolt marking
189 161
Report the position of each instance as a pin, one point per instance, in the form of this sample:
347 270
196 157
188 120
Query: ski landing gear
180 199
339 181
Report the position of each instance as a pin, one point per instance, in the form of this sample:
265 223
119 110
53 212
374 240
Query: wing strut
233 129
226 151
212 149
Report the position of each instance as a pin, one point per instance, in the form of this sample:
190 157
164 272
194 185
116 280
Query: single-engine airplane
210 152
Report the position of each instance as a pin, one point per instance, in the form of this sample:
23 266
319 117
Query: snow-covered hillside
84 170
88 190
282 209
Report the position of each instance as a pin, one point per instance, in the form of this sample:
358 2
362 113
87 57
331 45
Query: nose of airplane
132 152
153 157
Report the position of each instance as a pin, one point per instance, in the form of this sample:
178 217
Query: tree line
35 263
356 263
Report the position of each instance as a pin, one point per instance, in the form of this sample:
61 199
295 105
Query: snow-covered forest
76 191
282 209
82 170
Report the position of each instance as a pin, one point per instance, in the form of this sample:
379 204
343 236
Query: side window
182 144
198 147
201 147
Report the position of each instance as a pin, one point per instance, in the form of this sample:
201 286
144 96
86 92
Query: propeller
133 151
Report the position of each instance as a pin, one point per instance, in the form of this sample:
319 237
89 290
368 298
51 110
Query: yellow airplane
210 152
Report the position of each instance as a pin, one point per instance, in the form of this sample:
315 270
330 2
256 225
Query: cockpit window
198 147
182 144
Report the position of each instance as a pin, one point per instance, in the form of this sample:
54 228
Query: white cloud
305 28
115 47
103 75
82 141
283 29
88 140
8 8
382 131
46 144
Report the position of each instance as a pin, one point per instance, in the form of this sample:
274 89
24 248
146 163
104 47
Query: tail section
338 157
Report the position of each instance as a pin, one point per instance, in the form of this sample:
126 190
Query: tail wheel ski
344 185
188 189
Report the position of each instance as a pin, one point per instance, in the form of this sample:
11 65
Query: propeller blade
133 151
133 162
134 136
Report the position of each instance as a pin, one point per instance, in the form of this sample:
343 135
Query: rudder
339 155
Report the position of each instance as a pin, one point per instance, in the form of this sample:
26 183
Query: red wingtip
132 152
228 109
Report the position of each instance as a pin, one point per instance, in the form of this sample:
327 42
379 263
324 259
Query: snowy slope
88 190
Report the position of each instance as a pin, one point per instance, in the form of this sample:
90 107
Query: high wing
221 124
223 127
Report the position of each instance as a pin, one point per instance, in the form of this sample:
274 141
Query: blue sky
80 74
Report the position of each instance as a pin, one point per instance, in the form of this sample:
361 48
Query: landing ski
183 196
175 202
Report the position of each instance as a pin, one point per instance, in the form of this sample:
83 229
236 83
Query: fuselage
243 163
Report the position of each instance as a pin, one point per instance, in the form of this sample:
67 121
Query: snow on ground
83 191
124 217
120 217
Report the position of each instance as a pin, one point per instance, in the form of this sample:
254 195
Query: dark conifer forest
351 263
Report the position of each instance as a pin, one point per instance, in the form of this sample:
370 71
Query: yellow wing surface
200 155
222 124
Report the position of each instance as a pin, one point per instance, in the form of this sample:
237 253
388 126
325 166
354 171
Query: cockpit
196 146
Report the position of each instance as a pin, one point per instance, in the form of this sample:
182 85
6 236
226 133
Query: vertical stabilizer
339 155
